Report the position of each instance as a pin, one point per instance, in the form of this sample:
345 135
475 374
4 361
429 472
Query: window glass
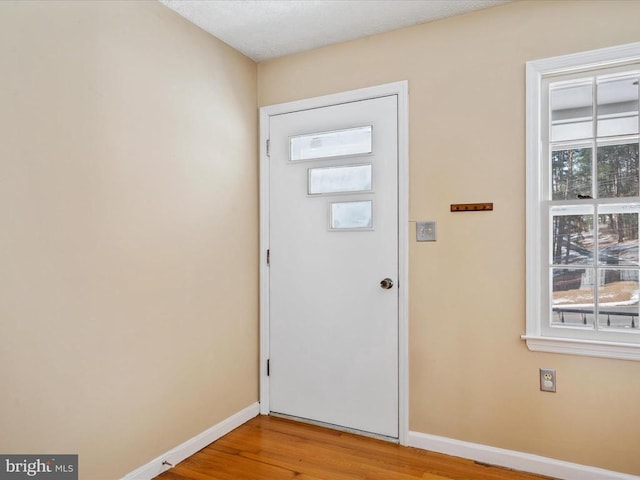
572 235
571 173
618 293
571 111
572 296
618 170
618 234
618 106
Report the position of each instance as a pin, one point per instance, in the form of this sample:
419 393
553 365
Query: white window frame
537 337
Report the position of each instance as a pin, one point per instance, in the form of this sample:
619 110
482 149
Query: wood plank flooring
278 449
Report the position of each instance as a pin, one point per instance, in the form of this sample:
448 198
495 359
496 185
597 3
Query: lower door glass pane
351 215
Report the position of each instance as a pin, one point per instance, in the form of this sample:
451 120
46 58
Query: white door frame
401 89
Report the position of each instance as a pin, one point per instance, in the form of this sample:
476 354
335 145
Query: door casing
401 89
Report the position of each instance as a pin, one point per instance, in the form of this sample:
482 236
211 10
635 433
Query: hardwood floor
277 449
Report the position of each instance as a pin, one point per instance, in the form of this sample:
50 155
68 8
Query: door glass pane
572 296
350 215
571 174
618 170
572 235
618 234
571 112
351 141
618 294
351 178
618 107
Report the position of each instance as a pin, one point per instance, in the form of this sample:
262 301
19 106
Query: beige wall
128 202
129 232
471 377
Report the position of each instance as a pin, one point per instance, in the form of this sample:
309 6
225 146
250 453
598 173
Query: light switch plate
426 231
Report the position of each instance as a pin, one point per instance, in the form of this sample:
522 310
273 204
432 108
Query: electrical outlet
548 380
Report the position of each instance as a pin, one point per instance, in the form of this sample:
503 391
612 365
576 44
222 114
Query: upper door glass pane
349 178
618 107
350 141
571 112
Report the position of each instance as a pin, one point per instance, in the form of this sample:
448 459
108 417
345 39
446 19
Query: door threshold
340 428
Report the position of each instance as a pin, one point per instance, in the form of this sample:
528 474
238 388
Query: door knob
387 283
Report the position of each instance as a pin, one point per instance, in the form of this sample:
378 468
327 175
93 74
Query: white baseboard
191 446
511 459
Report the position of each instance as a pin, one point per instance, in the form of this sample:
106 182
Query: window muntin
584 205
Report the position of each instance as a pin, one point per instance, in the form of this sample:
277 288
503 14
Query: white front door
333 276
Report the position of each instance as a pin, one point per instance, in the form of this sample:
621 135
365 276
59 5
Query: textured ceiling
265 29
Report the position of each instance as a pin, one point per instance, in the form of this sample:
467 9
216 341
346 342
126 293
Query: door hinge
268 367
268 258
268 147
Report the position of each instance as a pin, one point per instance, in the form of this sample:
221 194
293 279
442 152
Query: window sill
621 351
